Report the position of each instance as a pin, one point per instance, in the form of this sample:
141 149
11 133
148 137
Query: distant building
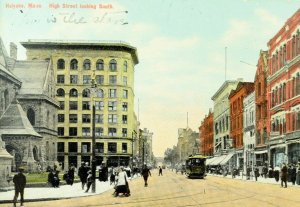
187 139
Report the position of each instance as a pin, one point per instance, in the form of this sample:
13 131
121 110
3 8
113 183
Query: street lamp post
132 136
94 88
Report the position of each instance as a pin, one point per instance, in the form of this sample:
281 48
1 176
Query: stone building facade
78 67
221 117
28 108
249 130
283 86
188 141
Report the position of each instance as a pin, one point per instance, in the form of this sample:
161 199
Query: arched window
73 92
60 92
6 99
31 116
99 65
125 66
61 64
86 64
86 93
100 93
35 153
74 64
48 118
113 65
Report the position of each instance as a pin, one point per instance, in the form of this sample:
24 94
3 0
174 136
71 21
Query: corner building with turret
76 64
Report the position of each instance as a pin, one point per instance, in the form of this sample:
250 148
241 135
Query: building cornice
82 44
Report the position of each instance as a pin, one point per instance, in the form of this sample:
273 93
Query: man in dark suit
20 183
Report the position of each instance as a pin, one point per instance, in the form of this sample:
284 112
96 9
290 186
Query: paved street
173 189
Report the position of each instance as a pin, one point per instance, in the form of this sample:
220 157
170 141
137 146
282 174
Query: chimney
13 50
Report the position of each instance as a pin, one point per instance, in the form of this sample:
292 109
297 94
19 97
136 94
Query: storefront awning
226 159
208 161
218 160
261 152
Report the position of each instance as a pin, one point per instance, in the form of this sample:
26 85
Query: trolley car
195 166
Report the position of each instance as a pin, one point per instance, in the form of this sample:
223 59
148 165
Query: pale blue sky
180 43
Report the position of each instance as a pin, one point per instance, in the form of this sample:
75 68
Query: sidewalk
49 193
259 180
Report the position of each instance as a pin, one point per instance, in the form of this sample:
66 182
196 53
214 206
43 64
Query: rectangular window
86 105
112 106
61 118
98 131
125 93
112 132
124 132
60 79
112 93
112 118
124 106
60 147
99 147
86 118
113 79
85 147
73 118
86 79
99 105
100 79
73 131
73 146
124 147
124 119
124 80
112 147
99 118
73 79
60 131
73 105
61 105
86 131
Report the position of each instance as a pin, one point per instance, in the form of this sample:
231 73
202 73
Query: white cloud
237 31
267 17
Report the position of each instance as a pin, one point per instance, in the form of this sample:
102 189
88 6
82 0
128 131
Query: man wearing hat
20 183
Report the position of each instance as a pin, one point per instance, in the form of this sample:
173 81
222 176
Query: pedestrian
19 183
53 178
89 180
289 170
71 173
83 174
160 171
284 172
112 178
265 171
293 174
256 172
146 172
271 173
103 173
276 173
122 185
298 174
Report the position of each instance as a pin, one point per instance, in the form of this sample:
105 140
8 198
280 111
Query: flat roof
85 44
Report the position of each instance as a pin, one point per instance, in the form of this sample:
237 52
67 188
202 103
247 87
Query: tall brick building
284 93
260 85
236 98
206 132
